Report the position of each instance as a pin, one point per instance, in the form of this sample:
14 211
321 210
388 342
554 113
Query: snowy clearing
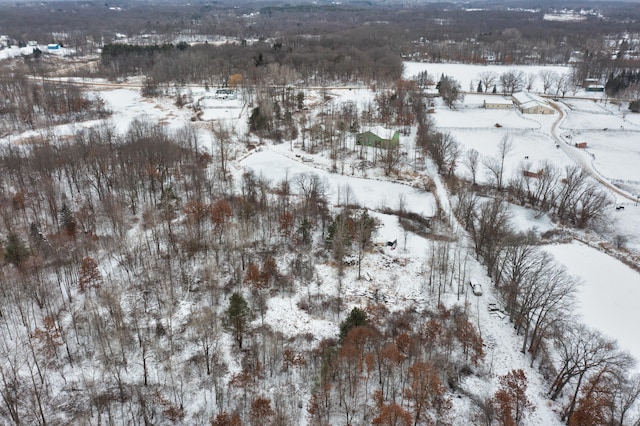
608 295
368 193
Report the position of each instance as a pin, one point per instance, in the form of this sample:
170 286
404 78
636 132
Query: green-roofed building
369 138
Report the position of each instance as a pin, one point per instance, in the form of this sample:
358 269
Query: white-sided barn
531 104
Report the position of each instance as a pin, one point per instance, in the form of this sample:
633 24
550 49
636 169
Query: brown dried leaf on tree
261 412
511 401
286 222
226 419
195 211
426 390
292 359
391 414
50 337
220 212
90 276
252 277
595 402
470 339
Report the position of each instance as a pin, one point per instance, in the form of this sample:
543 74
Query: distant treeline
358 55
114 50
132 59
436 31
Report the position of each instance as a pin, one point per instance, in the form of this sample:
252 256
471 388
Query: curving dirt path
579 160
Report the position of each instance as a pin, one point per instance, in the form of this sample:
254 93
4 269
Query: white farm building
531 104
497 102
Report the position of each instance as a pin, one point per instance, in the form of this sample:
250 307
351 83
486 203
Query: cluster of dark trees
27 104
127 59
345 57
106 236
617 74
449 90
571 194
623 82
64 206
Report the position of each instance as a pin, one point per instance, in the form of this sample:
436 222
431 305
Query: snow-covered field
529 149
128 105
593 120
467 75
608 295
615 154
473 116
371 194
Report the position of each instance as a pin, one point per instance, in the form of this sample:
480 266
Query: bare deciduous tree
537 293
489 230
444 150
488 79
583 352
472 161
548 78
494 166
223 146
512 81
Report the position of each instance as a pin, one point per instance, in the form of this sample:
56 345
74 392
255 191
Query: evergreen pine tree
237 317
357 317
15 251
68 222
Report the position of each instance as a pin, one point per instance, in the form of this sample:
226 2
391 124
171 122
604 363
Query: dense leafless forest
138 266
